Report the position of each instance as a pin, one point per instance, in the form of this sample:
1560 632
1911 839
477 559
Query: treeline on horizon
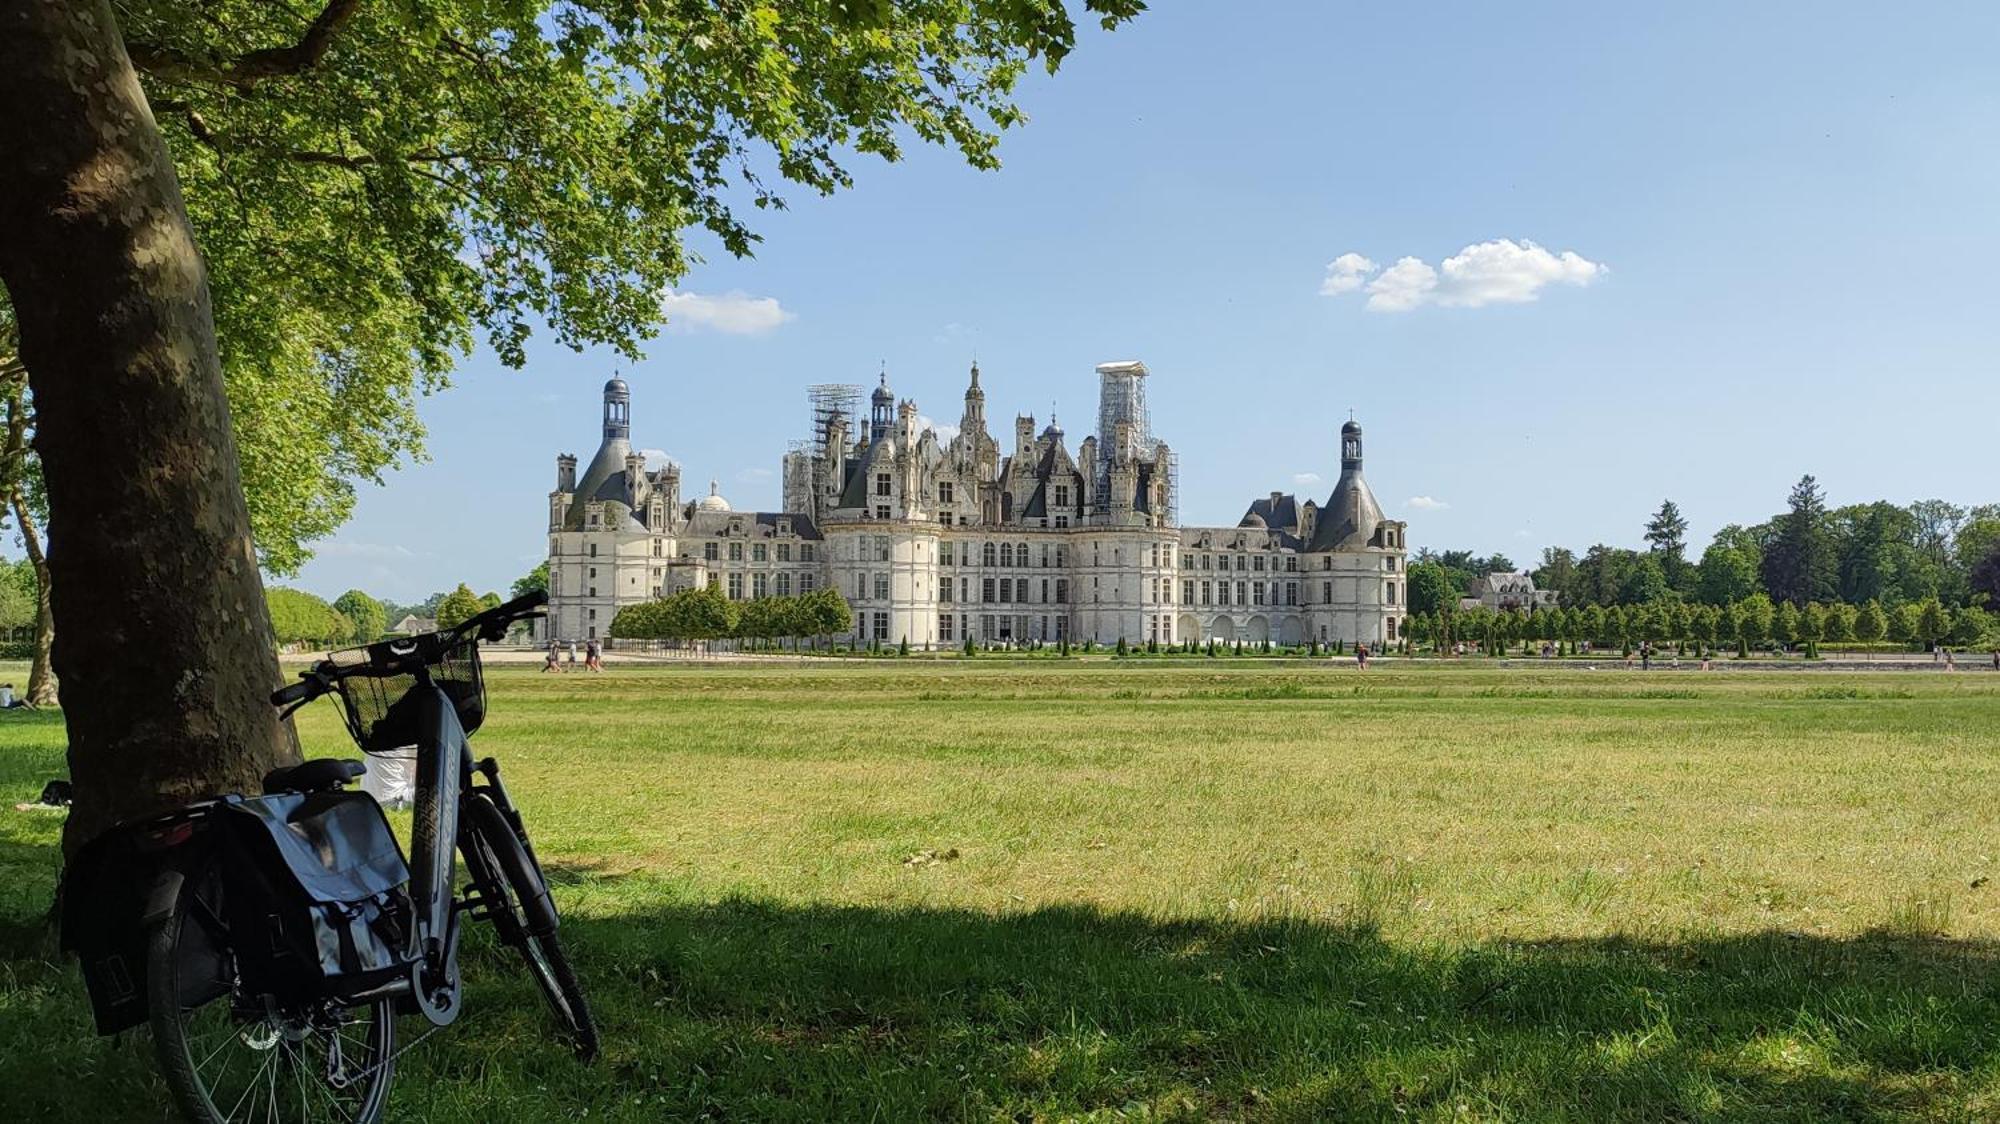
355 617
1920 574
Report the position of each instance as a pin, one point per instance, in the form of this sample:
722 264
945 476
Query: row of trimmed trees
1750 622
705 614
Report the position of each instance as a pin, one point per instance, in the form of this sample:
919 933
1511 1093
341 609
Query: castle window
881 548
1006 590
593 550
944 628
861 587
1239 561
1021 552
1326 592
1326 562
1392 593
759 552
1187 591
1062 495
784 552
656 548
593 593
987 554
881 587
882 511
881 483
760 585
986 591
1291 563
944 591
1006 554
805 583
1392 628
806 552
784 585
1045 591
1257 563
1208 593
593 571
1062 556
944 554
881 626
1257 590
944 492
1062 592
736 587
709 551
1389 562
1062 522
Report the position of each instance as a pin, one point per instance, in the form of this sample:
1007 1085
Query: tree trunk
41 678
163 651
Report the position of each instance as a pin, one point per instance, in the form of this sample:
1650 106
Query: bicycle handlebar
489 625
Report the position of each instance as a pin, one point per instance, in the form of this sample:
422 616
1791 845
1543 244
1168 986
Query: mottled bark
41 673
163 647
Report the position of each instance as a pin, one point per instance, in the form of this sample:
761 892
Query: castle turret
566 472
1351 516
617 411
974 419
882 411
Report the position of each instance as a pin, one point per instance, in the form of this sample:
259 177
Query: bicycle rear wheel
231 1058
517 901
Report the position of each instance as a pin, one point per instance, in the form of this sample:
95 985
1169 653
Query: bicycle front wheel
231 1058
517 900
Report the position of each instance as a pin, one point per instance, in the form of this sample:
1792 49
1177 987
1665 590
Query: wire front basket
383 711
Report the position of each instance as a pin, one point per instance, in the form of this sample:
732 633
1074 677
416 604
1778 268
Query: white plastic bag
392 778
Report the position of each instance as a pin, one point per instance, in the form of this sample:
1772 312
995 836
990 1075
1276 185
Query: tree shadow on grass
746 1010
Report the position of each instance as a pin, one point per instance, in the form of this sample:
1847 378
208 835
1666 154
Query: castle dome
1253 520
713 501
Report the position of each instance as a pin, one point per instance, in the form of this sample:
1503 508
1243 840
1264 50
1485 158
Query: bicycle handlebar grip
298 692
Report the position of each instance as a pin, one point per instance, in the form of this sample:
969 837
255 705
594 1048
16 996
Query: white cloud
1345 274
1502 271
734 313
657 459
945 433
1426 503
1304 478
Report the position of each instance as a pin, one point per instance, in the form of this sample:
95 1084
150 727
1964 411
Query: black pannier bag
315 889
118 886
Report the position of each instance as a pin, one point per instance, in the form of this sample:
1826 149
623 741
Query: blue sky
1783 215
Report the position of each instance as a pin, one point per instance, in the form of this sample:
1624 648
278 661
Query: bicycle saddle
313 776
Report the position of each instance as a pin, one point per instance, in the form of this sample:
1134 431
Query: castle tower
974 420
617 411
882 411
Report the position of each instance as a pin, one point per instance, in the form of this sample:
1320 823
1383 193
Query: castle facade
938 541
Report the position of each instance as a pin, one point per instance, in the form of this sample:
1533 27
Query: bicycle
237 1041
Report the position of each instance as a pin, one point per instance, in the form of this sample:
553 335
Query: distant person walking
554 662
1645 657
572 653
1361 656
593 656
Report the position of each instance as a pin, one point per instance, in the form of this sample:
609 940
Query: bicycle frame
444 767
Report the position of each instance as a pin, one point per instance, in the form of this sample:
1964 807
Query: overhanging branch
254 66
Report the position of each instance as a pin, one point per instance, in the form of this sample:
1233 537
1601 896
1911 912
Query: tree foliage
376 185
367 615
299 617
458 606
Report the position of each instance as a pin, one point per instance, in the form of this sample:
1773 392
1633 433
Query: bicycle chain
388 1061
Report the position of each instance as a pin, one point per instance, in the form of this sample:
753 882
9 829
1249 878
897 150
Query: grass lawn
893 891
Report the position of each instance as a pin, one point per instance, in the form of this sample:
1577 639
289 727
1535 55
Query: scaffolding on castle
1121 398
830 399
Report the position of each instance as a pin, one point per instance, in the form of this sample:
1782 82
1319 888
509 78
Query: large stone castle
936 541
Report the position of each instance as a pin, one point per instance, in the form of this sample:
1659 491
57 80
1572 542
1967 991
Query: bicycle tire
514 879
195 1082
